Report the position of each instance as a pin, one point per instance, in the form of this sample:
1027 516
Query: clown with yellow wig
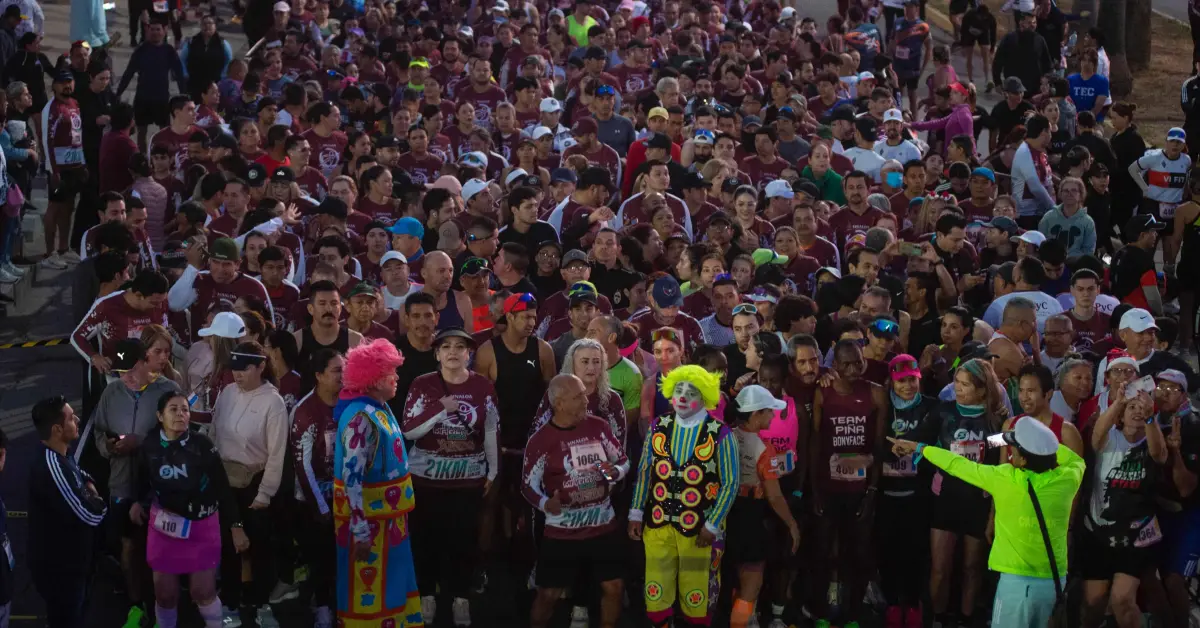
686 483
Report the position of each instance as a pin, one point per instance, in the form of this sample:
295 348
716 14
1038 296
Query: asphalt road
28 374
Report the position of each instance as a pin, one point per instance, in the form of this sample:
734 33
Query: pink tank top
784 431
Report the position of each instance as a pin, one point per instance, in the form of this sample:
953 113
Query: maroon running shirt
326 151
312 441
847 438
450 454
111 319
565 462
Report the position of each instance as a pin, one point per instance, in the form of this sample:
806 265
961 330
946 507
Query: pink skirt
201 551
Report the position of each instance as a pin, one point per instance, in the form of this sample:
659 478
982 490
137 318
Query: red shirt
312 440
559 461
326 151
110 320
176 144
423 169
485 101
116 148
64 134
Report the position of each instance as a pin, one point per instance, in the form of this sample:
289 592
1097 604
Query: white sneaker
1171 308
428 609
230 618
462 612
71 257
54 262
266 617
323 617
6 277
777 623
579 617
753 623
14 270
284 592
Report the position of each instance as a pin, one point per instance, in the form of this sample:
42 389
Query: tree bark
1111 20
1137 34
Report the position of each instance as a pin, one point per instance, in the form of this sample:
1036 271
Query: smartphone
996 440
908 249
1141 384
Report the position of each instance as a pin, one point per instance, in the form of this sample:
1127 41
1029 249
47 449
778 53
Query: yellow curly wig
709 384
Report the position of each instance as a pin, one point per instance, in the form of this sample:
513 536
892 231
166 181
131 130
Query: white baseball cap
1032 436
392 255
500 5
1138 320
1030 237
780 188
475 159
283 7
225 325
755 397
1174 376
893 115
473 187
514 175
550 105
541 131
786 14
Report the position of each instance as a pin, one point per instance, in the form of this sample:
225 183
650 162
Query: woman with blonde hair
961 511
206 367
159 347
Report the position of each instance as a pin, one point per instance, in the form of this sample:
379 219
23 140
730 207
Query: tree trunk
1137 34
1111 20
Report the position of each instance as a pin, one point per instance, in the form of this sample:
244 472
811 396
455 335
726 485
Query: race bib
160 6
586 455
784 463
970 449
1166 211
330 435
903 467
848 467
172 525
1150 534
68 156
902 53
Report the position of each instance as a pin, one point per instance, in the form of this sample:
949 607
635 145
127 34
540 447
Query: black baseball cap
1140 224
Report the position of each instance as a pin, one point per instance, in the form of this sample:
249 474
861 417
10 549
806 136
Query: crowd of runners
632 313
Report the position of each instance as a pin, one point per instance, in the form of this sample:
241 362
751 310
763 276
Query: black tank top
309 346
1189 250
449 316
519 388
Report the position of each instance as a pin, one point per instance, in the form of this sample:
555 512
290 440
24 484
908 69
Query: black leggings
902 539
840 524
315 537
445 525
258 527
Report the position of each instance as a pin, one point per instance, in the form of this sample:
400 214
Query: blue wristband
919 453
798 494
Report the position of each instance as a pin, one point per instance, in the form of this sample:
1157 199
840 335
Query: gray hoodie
1077 233
122 411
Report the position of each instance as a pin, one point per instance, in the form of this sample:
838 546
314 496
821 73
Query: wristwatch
237 525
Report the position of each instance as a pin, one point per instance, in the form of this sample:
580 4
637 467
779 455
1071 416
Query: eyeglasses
666 333
746 308
1125 372
1169 388
885 326
549 254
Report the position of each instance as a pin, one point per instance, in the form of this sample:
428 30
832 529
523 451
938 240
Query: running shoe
70 257
428 609
579 617
777 623
462 612
134 618
13 269
913 618
284 592
54 262
7 277
230 618
850 624
822 623
894 617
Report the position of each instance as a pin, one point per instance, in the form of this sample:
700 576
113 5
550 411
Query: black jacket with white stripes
63 514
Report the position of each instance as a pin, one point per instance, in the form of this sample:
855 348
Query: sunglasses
606 90
885 326
723 277
746 308
666 333
907 365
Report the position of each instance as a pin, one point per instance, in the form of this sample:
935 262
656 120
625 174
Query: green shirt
579 32
625 378
1019 548
830 185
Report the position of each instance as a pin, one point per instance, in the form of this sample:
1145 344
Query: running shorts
1097 557
747 537
70 184
560 561
959 507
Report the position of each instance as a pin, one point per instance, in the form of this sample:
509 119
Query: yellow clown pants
678 569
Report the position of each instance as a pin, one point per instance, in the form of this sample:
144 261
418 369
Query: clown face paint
687 400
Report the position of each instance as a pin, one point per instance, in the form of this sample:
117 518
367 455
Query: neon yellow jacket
1018 548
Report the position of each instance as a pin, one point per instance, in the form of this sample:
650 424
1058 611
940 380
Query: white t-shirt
1044 304
903 152
866 160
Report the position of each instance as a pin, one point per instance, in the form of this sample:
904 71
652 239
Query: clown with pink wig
372 496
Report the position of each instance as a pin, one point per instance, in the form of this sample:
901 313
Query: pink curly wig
368 363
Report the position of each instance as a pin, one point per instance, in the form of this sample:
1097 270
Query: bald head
438 272
568 398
